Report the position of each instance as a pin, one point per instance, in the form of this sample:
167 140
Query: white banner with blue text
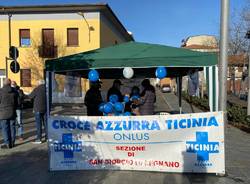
169 143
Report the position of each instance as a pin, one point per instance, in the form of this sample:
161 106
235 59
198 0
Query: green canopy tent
144 58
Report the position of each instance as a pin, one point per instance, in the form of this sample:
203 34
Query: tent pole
48 81
179 89
48 92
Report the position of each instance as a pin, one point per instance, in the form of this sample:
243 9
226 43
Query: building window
25 78
24 35
72 37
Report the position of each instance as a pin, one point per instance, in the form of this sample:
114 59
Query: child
134 98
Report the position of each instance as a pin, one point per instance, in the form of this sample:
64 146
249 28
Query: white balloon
128 72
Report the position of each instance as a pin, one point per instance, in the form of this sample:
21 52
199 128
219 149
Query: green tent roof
132 54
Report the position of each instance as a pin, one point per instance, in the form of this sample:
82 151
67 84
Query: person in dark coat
8 104
148 98
93 99
19 118
115 90
39 107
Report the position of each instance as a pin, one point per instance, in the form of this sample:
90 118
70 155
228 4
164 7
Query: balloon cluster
112 107
128 73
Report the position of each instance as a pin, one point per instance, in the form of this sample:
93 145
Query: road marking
171 108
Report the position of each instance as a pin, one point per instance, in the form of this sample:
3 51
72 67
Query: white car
166 88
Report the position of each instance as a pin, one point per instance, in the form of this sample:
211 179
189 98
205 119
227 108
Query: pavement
28 163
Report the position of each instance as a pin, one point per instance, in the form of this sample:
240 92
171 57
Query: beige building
51 31
201 43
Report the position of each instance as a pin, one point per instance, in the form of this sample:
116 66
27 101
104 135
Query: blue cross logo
202 147
67 146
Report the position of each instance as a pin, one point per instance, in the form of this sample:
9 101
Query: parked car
165 88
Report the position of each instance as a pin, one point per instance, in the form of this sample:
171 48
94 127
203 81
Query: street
28 163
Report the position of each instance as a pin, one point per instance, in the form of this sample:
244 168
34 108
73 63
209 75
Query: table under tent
144 58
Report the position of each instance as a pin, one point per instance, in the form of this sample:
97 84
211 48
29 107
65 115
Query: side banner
171 143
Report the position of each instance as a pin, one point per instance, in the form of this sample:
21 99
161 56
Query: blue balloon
93 75
127 114
119 107
126 99
113 98
108 108
135 97
101 107
161 72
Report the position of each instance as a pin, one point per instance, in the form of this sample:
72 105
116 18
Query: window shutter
24 37
25 77
72 36
24 33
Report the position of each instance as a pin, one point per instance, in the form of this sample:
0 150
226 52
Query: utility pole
6 59
223 63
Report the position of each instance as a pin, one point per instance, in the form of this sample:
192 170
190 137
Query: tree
240 24
33 61
238 43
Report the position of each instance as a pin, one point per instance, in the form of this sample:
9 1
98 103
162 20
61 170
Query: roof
194 46
64 8
238 60
133 54
50 7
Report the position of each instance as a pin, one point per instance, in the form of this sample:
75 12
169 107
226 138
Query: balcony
47 51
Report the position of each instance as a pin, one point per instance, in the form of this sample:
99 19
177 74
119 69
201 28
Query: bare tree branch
240 23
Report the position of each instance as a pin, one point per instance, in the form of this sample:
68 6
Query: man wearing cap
115 90
93 99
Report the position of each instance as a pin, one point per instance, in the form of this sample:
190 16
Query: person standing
148 98
8 104
115 90
39 107
93 99
19 118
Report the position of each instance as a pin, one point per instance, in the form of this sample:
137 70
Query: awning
132 54
142 57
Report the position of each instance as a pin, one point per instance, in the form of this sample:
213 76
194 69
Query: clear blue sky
158 21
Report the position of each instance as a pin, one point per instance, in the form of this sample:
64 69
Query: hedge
237 115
